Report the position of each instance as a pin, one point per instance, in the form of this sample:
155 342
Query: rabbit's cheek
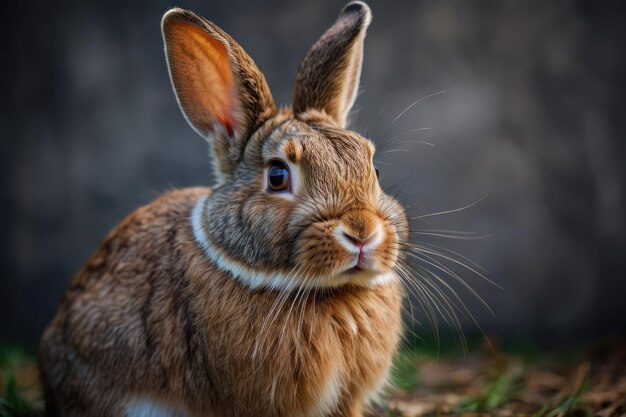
318 252
386 253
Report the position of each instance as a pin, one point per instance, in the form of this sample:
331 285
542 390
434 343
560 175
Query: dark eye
376 171
278 177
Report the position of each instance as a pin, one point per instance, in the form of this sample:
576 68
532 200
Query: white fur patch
275 280
143 407
352 323
329 397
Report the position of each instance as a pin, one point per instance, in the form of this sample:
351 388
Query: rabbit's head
298 202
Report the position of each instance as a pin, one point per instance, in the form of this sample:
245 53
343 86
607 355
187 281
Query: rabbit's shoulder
146 245
147 233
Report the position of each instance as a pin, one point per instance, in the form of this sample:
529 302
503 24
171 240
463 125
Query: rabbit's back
124 321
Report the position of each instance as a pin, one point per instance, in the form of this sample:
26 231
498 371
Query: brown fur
208 100
173 327
337 55
160 314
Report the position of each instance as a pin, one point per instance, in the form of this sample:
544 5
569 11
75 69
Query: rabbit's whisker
288 315
408 282
437 265
423 250
448 234
275 309
450 211
450 252
450 306
384 106
394 150
443 304
391 139
407 109
425 303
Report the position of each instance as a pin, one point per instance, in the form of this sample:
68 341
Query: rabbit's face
298 201
305 208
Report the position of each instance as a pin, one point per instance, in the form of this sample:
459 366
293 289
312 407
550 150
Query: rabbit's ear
219 88
328 78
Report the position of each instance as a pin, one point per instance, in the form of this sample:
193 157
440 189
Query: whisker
408 108
425 304
464 306
274 311
454 275
451 252
284 295
422 142
421 249
447 231
450 211
286 321
394 151
451 235
410 311
419 129
382 110
449 308
304 301
400 183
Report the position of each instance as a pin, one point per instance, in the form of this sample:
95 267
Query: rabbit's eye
278 177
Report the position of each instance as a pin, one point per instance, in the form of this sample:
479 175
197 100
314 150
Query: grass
498 393
439 380
518 379
19 388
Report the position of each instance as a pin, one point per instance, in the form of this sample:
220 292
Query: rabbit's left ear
220 90
328 78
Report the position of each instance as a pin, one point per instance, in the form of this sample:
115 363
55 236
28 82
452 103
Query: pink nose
351 242
359 243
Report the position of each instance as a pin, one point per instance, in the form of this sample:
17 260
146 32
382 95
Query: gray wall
532 117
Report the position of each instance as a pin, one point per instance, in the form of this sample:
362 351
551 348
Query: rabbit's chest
328 352
298 356
359 361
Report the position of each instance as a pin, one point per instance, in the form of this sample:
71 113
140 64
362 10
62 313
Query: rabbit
273 293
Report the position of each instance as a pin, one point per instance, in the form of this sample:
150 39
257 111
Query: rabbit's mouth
354 270
358 272
358 276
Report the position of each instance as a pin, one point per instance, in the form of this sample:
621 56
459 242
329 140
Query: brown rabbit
273 293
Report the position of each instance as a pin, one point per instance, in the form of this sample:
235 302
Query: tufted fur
235 301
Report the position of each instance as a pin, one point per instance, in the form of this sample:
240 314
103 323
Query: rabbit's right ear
219 88
328 78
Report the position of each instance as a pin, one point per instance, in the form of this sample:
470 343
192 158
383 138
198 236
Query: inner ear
328 78
202 77
220 90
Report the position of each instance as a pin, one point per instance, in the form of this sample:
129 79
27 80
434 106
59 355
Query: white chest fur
330 395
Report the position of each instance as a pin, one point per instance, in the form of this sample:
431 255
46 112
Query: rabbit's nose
354 242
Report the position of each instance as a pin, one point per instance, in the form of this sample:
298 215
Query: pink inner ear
227 118
202 76
229 125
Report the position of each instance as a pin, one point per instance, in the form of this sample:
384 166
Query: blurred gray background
532 118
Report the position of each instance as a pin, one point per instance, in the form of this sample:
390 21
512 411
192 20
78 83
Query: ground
433 380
